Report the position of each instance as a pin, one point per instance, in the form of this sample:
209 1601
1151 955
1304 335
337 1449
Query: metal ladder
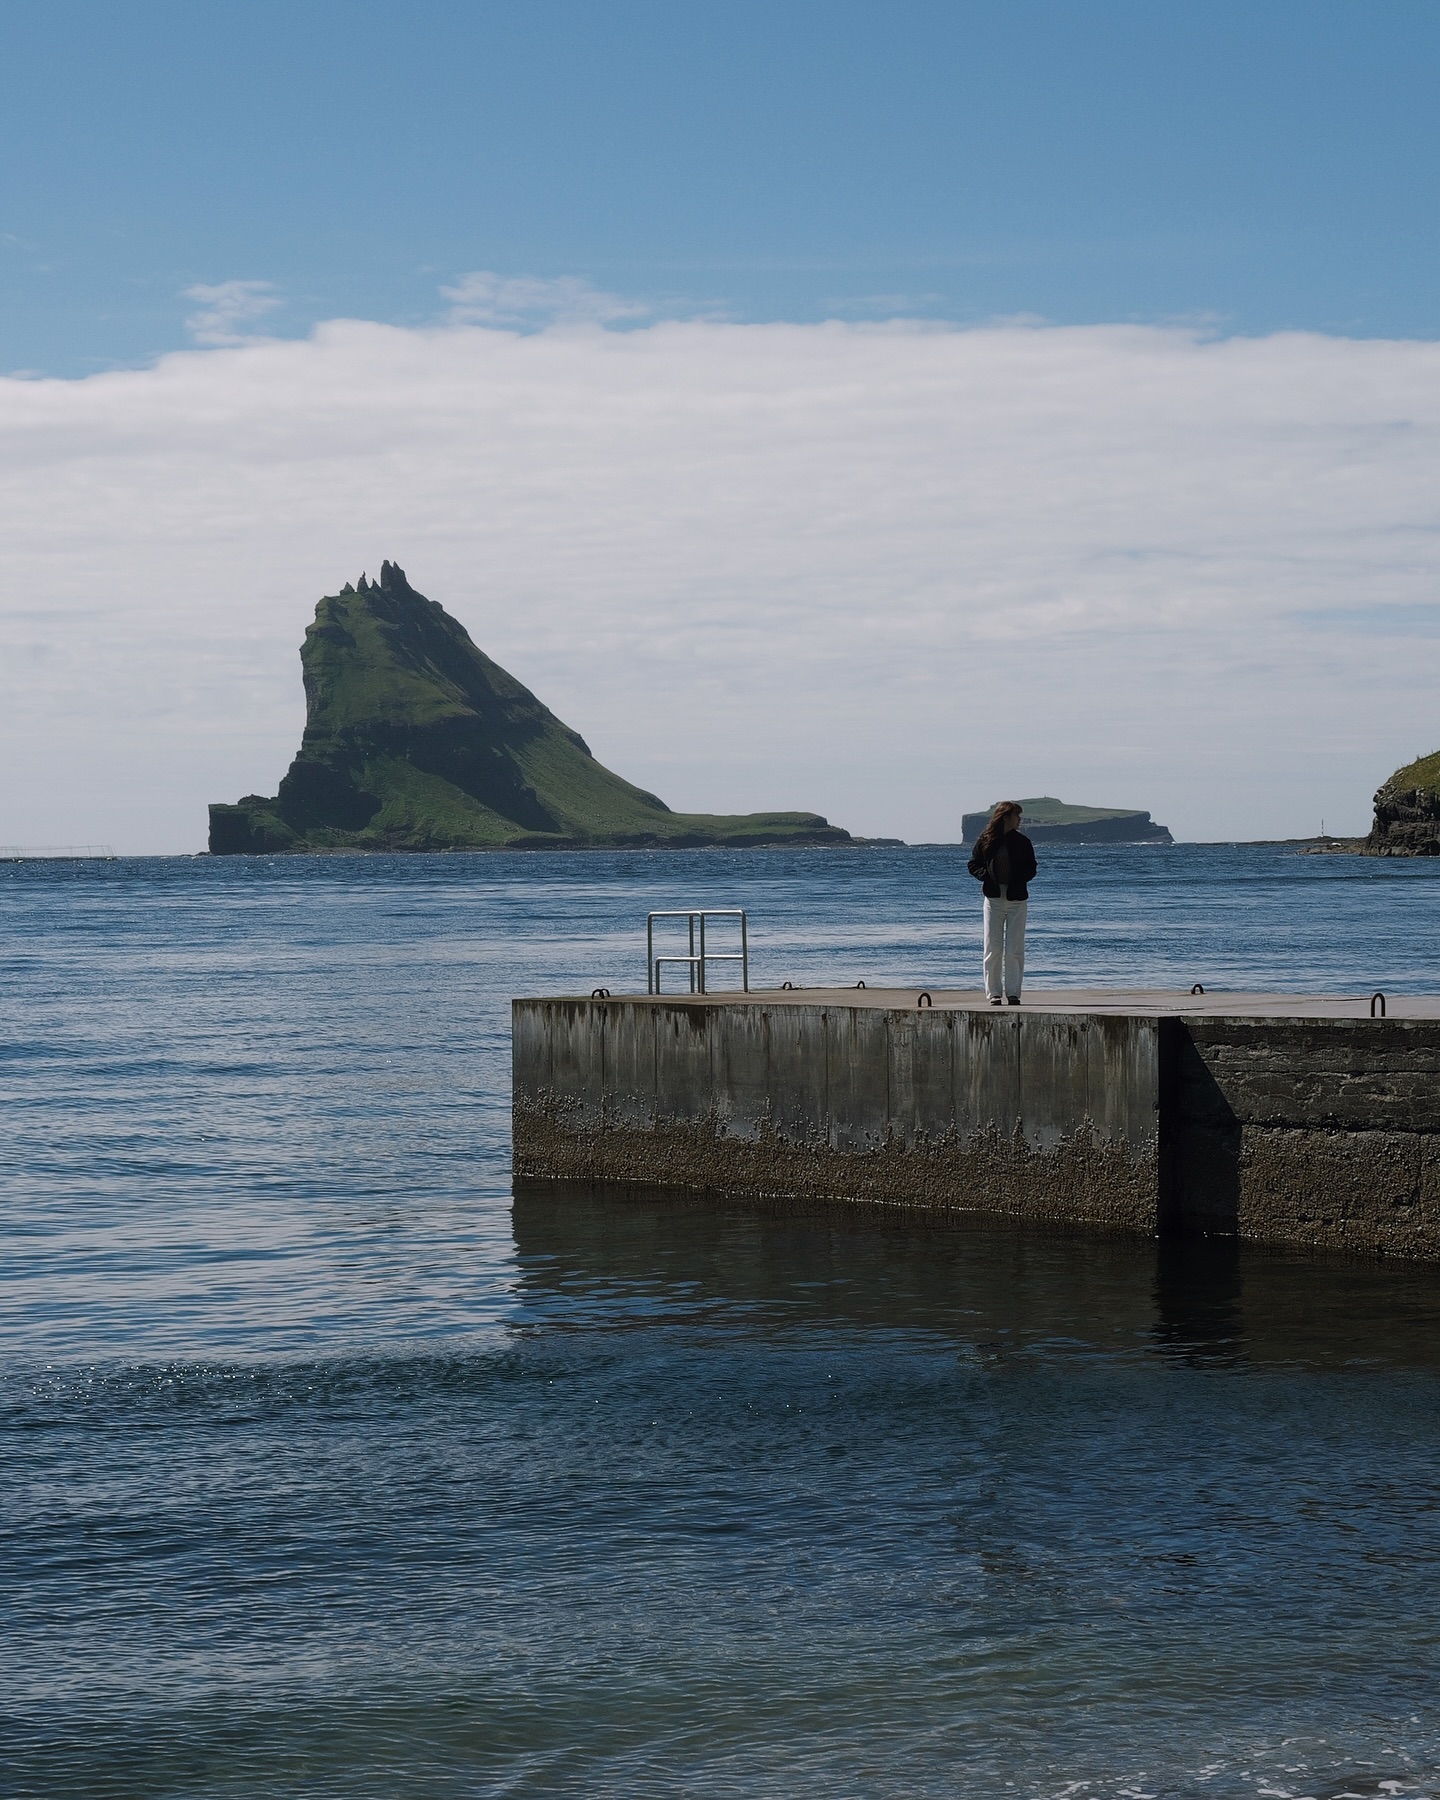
697 955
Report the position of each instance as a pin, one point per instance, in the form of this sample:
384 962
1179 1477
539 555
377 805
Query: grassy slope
589 799
1422 775
422 811
358 675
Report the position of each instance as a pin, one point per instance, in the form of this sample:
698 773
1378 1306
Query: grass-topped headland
1407 811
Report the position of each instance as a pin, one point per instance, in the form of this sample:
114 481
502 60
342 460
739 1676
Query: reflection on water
598 1254
1197 1297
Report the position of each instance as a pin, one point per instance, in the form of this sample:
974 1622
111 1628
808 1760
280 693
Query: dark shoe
1014 999
995 1001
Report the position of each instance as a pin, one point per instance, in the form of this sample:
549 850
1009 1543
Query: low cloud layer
889 572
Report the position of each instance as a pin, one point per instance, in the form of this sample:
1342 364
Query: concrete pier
1277 1117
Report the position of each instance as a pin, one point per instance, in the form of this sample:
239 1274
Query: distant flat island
415 740
1051 821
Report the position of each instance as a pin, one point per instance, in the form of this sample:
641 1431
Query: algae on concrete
415 740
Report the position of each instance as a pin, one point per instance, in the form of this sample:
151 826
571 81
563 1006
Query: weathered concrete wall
1299 1130
1320 1132
1041 1115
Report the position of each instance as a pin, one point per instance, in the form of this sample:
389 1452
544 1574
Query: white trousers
1004 947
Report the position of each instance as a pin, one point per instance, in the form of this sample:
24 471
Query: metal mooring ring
859 984
1377 995
1197 989
924 1000
599 993
786 984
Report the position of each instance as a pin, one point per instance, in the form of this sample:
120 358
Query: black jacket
1022 867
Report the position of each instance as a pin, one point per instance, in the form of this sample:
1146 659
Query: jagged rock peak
392 581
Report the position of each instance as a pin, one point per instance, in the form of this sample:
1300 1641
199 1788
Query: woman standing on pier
1004 860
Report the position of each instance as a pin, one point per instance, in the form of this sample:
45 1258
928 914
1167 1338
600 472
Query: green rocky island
415 740
1051 821
1407 811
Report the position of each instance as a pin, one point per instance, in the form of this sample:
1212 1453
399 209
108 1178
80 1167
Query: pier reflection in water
598 1254
1197 1298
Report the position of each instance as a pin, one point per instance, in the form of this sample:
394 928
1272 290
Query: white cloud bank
887 572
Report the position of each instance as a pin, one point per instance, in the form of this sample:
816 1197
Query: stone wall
1317 1132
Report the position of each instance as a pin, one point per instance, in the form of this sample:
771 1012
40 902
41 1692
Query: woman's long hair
995 827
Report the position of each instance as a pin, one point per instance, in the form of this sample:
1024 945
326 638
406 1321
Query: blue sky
1255 166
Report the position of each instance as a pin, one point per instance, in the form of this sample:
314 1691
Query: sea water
334 1466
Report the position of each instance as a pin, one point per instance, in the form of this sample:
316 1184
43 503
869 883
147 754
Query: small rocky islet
415 740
